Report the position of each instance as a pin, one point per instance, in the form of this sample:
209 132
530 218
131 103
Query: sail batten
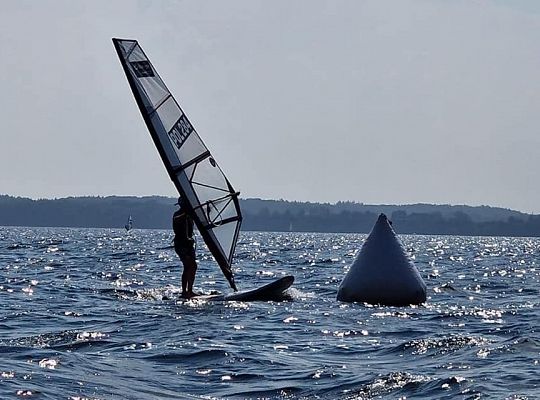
161 103
212 202
189 163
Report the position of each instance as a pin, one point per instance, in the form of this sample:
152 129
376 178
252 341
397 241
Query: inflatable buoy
382 273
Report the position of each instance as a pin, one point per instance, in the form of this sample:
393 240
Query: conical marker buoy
382 273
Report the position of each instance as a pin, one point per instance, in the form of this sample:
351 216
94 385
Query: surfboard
274 291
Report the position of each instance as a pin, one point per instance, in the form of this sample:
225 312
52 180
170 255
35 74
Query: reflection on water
96 314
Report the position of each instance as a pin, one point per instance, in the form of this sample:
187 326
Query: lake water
94 314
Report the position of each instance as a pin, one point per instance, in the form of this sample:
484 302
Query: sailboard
129 224
274 291
211 200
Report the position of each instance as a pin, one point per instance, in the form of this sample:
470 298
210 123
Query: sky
373 101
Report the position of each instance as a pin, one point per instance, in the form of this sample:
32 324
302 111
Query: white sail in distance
211 200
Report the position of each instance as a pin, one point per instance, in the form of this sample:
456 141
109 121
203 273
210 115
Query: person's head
181 202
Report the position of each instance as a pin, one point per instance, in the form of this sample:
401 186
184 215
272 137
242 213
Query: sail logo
180 131
142 69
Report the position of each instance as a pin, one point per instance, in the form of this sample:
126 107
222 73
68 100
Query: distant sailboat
129 224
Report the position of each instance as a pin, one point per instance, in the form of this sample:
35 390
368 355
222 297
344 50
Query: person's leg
185 271
187 256
185 280
192 270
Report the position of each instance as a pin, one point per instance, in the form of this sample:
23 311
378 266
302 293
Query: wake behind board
274 291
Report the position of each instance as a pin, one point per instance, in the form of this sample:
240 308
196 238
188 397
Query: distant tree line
433 223
271 215
87 212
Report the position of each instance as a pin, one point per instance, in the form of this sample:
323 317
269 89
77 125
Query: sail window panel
191 148
215 210
136 55
209 173
224 208
206 194
169 112
220 209
225 235
126 46
228 209
209 183
154 89
189 171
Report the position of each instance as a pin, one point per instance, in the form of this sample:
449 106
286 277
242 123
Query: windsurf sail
129 224
212 202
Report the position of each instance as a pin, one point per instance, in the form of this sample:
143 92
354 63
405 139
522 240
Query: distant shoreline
154 212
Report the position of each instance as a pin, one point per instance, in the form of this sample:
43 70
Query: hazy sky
373 101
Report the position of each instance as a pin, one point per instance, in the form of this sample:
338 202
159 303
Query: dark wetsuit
184 245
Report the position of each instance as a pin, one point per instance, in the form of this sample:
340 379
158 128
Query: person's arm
192 228
177 216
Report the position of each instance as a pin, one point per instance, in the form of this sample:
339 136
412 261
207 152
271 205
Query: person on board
184 245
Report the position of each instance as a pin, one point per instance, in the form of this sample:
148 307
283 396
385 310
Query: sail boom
225 221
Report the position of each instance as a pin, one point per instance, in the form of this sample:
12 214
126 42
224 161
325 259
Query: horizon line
282 200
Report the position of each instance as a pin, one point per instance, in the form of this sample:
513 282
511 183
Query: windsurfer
184 245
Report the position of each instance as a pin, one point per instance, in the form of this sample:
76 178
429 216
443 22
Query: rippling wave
96 314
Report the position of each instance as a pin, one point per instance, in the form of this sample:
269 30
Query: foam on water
93 314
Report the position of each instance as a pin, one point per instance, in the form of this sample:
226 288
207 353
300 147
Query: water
94 314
